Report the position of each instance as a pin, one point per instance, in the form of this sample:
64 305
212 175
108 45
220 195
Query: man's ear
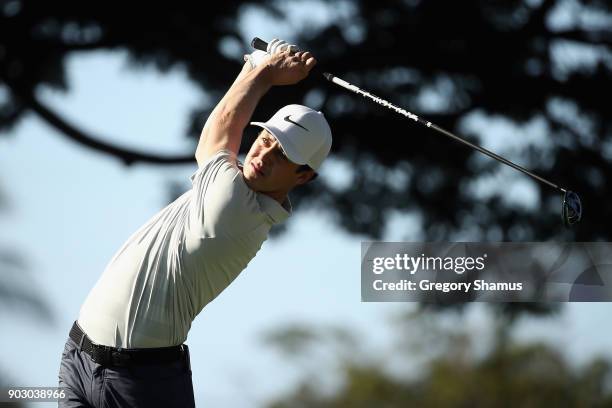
304 177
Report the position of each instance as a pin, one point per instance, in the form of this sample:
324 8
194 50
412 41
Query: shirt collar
274 210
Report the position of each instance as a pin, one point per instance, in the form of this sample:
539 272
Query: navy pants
91 385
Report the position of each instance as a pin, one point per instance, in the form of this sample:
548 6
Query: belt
119 357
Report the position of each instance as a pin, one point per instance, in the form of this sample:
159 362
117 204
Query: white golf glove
256 57
274 47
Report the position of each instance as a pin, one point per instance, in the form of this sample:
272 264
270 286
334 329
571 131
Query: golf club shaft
259 44
423 122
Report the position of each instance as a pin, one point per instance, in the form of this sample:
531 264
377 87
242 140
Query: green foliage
456 373
514 63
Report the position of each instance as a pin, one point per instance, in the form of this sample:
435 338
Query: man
126 348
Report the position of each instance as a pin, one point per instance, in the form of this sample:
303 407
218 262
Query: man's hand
224 126
276 46
287 68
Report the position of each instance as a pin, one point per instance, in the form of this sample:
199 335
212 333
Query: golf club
571 211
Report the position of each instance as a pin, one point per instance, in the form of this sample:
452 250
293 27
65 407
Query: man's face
267 170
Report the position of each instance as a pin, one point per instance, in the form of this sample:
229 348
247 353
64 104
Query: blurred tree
460 60
468 66
536 68
17 292
453 372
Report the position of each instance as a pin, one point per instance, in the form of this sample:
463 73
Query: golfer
126 348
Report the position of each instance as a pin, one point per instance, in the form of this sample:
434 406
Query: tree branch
127 156
597 37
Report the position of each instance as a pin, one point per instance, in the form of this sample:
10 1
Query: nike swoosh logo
288 119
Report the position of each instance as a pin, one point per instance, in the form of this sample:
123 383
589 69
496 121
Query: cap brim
288 147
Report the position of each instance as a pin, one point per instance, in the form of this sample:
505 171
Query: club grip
259 44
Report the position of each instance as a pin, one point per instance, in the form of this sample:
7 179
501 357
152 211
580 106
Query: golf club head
572 208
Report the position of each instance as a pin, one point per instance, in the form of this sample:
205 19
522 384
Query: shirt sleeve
224 158
221 202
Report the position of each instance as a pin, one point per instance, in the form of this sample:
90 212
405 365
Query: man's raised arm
225 125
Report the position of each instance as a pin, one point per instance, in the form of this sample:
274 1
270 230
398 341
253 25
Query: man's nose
267 155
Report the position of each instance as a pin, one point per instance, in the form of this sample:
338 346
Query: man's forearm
238 104
225 125
246 68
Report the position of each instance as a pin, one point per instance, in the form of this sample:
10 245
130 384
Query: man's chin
251 180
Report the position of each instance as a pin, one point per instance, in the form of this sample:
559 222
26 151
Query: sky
71 209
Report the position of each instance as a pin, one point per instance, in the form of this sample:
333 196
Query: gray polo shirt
180 260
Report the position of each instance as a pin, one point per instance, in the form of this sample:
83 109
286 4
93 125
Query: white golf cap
303 133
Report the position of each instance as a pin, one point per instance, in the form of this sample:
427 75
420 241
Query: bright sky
71 209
